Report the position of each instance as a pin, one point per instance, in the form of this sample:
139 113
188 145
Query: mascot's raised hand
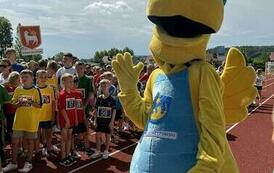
127 73
237 96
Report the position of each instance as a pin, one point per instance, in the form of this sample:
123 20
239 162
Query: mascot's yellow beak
196 16
182 30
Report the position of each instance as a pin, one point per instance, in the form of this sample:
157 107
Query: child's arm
76 118
112 118
95 118
53 105
15 101
65 115
36 105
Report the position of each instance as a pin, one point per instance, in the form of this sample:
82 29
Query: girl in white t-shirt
259 83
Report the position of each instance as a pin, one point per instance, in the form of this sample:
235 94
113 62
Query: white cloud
108 8
40 7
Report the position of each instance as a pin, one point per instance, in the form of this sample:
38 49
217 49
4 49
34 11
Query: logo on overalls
160 106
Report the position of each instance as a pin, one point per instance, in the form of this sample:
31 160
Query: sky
85 26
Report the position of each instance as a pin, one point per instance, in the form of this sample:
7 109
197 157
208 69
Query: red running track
250 142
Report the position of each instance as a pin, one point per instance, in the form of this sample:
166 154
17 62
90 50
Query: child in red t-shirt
68 118
82 127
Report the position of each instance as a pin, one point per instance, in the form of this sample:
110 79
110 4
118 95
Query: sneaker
20 152
95 155
27 167
55 129
55 149
72 158
76 155
65 162
44 152
10 167
105 154
89 151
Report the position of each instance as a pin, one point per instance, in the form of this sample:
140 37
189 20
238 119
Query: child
84 85
259 83
112 88
68 68
47 113
27 100
10 54
52 68
104 119
4 98
82 127
11 85
68 118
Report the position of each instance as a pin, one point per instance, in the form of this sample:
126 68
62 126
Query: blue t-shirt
112 90
118 104
17 67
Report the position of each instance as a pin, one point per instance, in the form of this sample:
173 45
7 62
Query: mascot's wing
239 91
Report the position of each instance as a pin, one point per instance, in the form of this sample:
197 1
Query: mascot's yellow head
182 29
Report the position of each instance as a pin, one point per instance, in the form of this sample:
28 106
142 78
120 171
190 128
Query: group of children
33 108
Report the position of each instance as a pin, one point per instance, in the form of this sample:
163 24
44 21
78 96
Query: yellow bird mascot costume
186 105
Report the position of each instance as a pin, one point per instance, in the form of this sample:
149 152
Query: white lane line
88 164
269 79
268 85
232 127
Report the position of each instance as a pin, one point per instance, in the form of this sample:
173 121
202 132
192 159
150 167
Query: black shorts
45 125
103 129
80 128
119 115
259 88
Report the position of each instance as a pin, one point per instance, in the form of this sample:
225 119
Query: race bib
26 100
79 103
104 112
70 103
46 99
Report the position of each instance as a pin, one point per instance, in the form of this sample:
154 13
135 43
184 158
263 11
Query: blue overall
169 143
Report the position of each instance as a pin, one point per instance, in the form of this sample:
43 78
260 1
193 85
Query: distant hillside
255 55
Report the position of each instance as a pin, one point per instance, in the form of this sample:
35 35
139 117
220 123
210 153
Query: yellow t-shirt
26 116
48 97
52 81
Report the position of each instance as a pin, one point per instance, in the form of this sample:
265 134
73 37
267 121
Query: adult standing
5 67
67 67
10 54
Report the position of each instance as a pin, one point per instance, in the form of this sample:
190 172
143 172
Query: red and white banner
30 38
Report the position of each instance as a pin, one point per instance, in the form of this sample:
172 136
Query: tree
5 34
126 49
18 47
58 56
98 56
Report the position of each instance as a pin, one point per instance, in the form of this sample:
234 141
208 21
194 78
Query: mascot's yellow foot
239 91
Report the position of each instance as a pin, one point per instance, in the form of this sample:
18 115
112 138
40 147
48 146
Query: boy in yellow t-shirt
52 68
27 100
47 113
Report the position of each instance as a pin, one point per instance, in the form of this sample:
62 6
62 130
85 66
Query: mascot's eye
224 2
